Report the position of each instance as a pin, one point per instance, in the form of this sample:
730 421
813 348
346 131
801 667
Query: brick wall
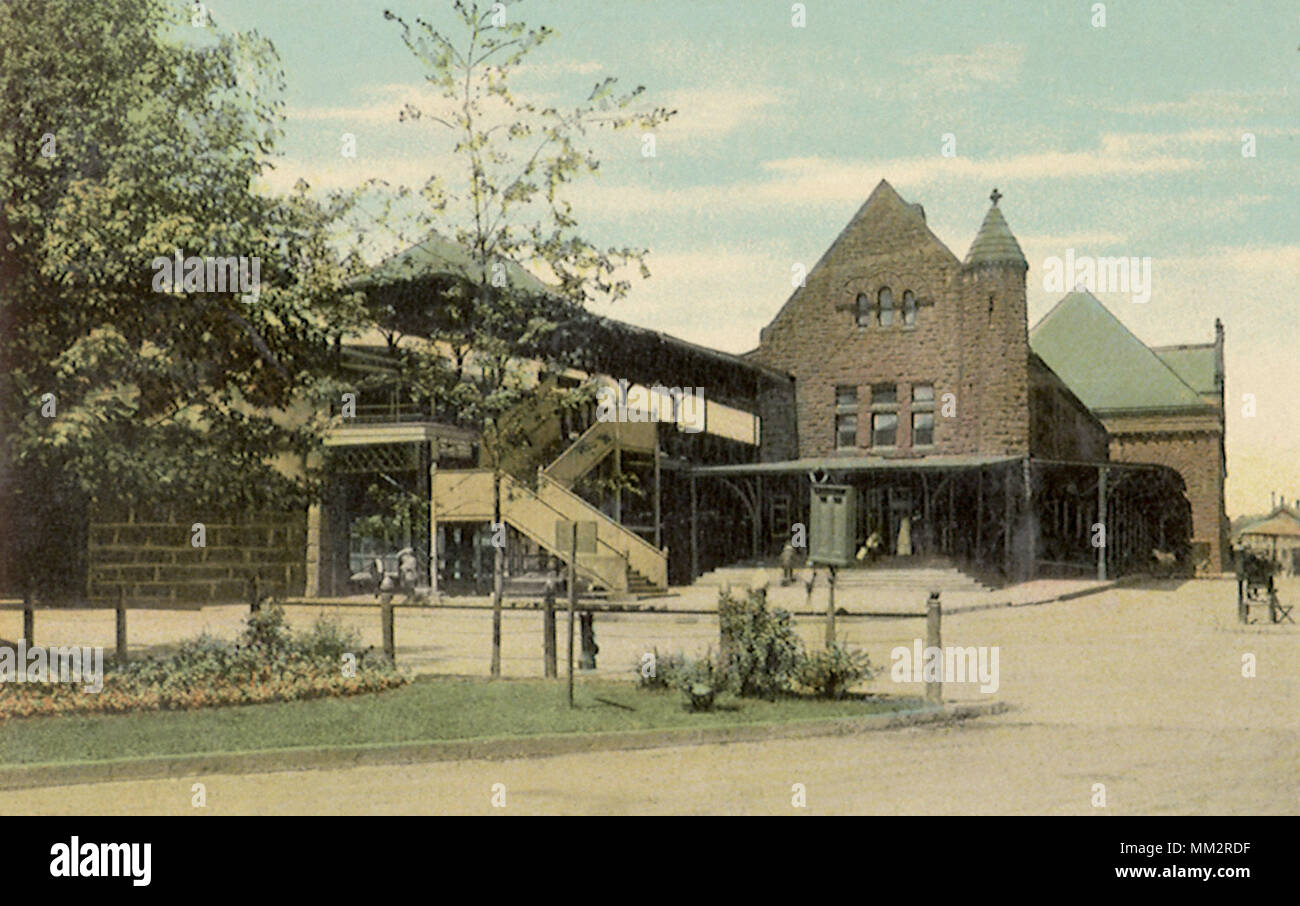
1195 455
156 559
955 344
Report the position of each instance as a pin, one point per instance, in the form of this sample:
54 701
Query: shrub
266 630
831 671
328 640
761 652
667 667
700 681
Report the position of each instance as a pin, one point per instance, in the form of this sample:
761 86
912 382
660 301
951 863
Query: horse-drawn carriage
1256 587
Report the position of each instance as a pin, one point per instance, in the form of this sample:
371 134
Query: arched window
885 316
864 310
909 308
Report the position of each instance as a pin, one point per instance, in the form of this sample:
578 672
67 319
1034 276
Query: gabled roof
994 243
883 202
1193 363
1107 367
1281 522
436 255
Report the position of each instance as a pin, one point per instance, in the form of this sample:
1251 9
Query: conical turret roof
994 243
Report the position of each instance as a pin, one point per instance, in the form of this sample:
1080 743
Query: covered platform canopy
1006 518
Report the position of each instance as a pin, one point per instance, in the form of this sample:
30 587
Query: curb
21 777
1055 599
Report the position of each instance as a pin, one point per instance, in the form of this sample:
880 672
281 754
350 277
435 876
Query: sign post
575 536
831 537
573 599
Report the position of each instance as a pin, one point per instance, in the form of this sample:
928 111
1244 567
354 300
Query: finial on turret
995 197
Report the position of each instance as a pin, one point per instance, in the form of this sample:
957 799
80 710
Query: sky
1169 132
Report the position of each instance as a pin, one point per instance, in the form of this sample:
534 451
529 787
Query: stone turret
996 337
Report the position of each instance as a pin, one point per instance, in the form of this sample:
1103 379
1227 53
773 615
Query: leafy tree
133 129
514 161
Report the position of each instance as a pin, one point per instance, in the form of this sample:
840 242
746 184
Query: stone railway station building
897 368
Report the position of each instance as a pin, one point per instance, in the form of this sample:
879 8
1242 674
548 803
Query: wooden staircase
624 563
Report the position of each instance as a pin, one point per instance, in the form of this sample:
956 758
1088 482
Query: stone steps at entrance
925 576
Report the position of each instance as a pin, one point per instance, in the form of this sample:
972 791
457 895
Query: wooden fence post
121 624
549 664
933 639
386 618
830 610
29 619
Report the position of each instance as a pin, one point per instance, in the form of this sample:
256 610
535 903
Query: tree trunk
498 574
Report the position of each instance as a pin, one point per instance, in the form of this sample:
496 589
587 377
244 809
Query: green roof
436 256
994 243
1103 363
1194 364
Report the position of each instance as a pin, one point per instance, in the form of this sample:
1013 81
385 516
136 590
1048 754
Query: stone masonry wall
156 559
953 345
1196 457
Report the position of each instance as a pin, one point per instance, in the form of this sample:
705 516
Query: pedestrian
787 564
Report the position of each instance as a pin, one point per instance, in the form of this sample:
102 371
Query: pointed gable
1105 365
887 228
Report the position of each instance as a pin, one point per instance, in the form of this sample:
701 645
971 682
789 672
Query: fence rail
589 607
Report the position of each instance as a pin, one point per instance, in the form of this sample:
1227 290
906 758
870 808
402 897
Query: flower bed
267 664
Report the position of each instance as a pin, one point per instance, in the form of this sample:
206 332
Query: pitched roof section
1282 522
1193 363
437 255
1103 363
994 243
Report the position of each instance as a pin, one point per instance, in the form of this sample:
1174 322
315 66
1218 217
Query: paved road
1137 689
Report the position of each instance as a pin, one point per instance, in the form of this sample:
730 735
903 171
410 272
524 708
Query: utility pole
573 600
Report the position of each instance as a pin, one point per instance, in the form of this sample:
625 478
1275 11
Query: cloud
710 113
1209 104
802 181
988 64
718 297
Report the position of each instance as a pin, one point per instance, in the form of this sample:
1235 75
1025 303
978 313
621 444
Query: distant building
1275 536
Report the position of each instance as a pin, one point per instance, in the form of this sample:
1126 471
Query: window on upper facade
884 429
922 429
885 315
884 395
864 310
846 417
922 415
884 415
909 308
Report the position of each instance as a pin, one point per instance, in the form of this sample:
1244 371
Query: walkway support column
1102 474
695 532
433 520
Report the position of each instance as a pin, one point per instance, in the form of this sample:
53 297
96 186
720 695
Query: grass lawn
428 709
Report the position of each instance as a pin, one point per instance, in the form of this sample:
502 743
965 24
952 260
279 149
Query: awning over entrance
855 464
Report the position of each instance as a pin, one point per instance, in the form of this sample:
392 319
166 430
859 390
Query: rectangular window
884 429
884 394
846 432
922 429
846 417
923 393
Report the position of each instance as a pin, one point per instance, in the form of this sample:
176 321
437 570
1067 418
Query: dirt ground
1140 689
